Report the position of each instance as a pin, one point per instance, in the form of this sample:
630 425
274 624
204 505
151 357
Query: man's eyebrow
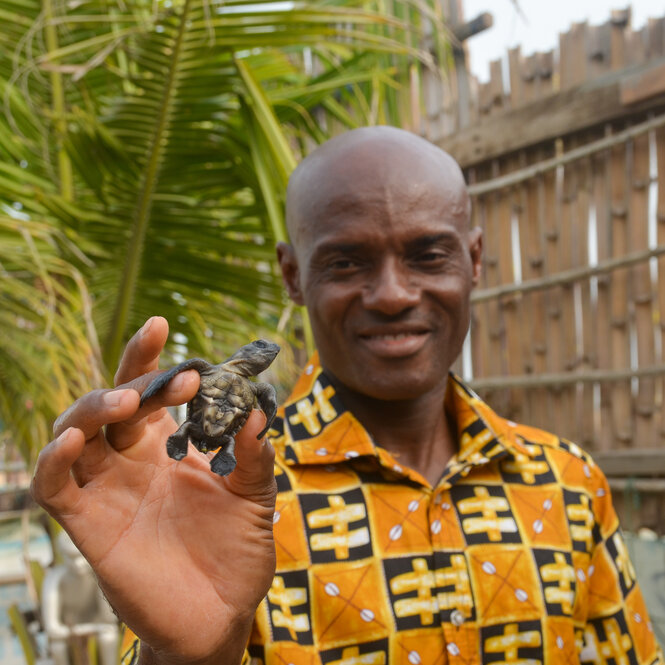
424 241
337 248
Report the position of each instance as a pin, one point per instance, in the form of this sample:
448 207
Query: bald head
339 173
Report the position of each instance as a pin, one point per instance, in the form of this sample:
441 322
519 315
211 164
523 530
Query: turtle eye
260 344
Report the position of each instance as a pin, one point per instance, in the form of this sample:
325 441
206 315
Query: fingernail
113 397
146 326
63 437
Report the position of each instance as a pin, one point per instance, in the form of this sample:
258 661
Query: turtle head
253 358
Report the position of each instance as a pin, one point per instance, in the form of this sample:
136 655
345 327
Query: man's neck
417 431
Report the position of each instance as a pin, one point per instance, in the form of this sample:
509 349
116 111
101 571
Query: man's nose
392 289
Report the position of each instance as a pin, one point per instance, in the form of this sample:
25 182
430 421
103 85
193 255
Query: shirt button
456 618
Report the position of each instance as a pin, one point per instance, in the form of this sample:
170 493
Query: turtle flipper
225 460
176 444
267 401
160 381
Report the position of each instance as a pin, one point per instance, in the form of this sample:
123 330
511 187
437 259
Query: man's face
385 266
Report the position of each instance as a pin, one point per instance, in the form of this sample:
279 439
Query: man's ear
476 252
288 264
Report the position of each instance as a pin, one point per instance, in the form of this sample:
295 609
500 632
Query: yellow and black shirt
515 556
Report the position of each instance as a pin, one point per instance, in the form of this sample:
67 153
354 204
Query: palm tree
144 152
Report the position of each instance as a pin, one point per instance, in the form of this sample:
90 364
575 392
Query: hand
183 556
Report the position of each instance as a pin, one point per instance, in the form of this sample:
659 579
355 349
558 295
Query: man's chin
401 387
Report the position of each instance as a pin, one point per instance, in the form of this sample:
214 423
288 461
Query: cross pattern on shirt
562 592
419 580
315 410
509 643
286 599
456 575
338 516
488 506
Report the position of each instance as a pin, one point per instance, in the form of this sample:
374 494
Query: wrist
147 656
230 650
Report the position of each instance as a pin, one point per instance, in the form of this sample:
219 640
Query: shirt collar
318 429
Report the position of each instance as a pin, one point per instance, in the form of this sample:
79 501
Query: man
411 525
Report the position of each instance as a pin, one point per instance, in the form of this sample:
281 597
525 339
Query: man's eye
430 257
343 264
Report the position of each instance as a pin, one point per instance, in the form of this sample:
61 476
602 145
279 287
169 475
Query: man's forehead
363 150
369 166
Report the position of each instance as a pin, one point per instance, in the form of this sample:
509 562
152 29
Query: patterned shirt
515 556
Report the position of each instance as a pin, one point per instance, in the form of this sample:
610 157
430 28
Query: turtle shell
221 406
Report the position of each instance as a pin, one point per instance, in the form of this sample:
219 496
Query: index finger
141 354
98 408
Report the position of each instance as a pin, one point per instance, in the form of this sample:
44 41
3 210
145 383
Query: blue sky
539 30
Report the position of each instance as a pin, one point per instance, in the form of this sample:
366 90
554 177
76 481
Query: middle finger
97 408
178 391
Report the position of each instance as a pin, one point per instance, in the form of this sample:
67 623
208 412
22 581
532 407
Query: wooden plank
660 234
560 114
565 61
636 46
553 296
644 462
648 83
642 290
584 307
599 49
529 79
559 379
511 305
464 31
546 73
656 46
601 321
569 246
496 87
533 313
480 332
619 289
492 277
620 22
515 77
490 311
454 15
579 51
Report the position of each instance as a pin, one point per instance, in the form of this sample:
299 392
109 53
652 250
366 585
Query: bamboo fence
568 325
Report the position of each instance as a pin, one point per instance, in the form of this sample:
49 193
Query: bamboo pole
553 212
622 416
510 308
568 242
660 234
574 155
584 308
567 277
561 379
642 291
601 321
530 223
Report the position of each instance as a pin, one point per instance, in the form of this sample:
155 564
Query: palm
188 533
186 524
149 146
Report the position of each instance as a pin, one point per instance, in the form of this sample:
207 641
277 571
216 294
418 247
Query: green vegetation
144 152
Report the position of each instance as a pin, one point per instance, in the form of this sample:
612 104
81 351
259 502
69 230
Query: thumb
254 475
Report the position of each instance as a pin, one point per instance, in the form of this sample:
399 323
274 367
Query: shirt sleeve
618 628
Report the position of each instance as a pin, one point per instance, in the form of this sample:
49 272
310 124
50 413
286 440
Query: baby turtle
222 404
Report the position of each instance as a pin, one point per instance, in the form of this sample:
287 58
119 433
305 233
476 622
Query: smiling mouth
402 335
394 344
